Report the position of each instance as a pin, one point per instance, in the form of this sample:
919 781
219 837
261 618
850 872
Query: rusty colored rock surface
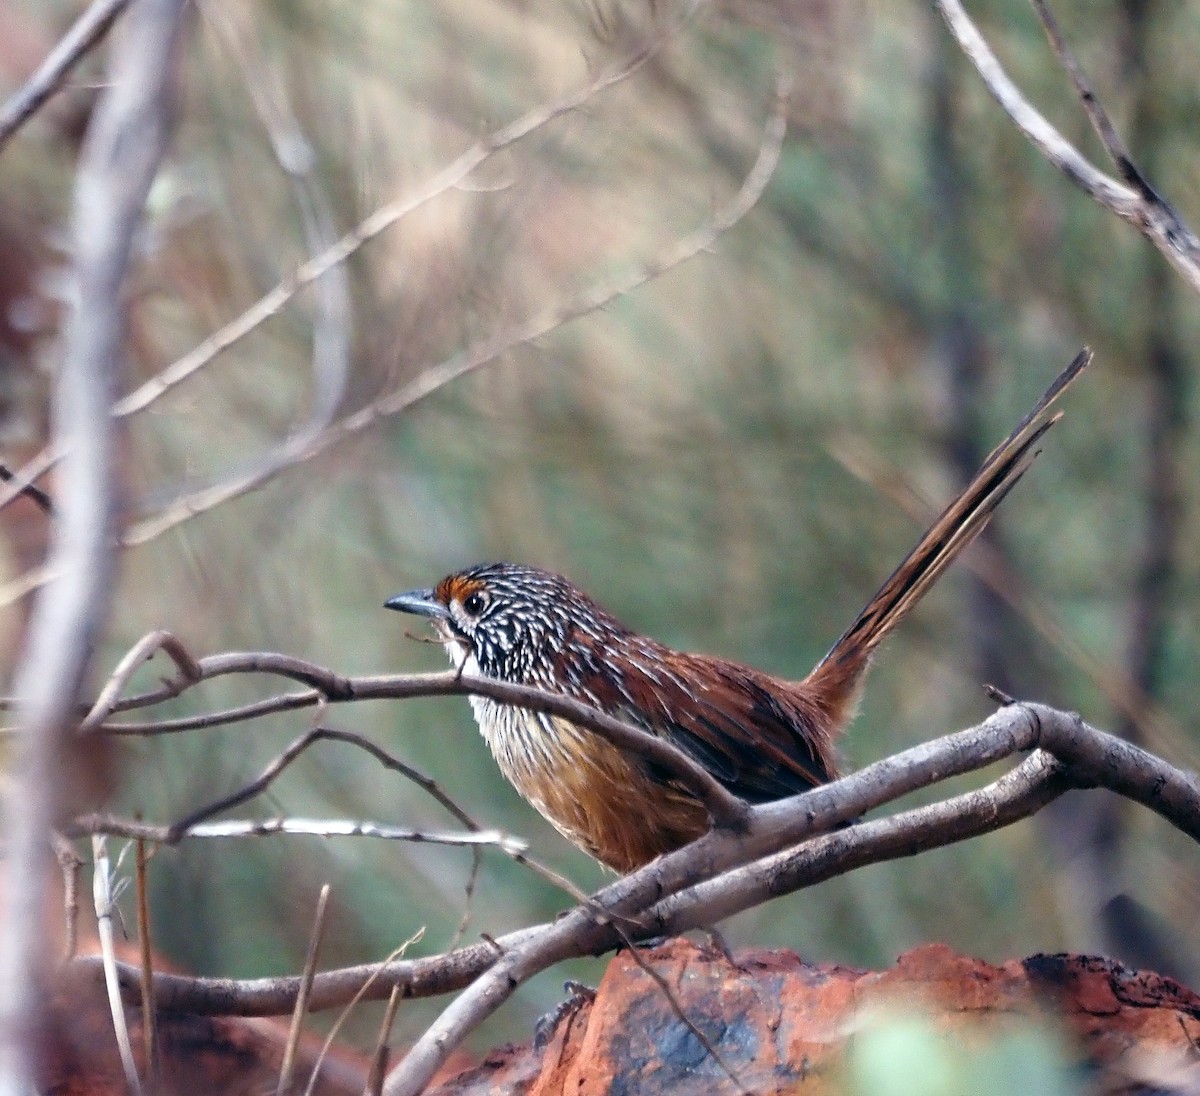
781 1024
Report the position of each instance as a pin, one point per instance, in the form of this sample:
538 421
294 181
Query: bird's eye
474 603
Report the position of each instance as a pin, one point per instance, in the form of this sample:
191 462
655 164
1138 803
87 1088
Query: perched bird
762 737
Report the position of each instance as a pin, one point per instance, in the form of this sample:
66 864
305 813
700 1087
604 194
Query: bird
762 737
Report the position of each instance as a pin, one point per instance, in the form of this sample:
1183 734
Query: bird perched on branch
762 737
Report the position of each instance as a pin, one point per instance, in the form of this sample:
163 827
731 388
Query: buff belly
588 789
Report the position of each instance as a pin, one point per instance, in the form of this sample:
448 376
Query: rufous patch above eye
456 588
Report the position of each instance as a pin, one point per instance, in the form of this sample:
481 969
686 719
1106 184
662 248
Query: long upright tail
835 681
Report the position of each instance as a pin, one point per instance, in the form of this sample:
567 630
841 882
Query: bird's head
509 620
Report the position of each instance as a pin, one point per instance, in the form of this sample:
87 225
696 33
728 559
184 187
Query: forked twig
1097 115
1139 204
35 494
141 652
102 894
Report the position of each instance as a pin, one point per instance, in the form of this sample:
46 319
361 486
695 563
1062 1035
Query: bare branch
707 880
788 822
85 33
113 826
1023 791
120 157
1107 761
772 826
1101 760
1044 137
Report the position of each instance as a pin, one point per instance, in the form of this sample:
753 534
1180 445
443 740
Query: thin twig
114 826
86 32
102 894
35 494
243 713
379 1057
296 748
71 863
1097 115
306 979
344 1015
146 955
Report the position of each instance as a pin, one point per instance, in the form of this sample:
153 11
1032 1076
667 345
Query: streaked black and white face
507 619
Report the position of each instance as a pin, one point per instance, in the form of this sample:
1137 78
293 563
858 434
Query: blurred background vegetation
731 458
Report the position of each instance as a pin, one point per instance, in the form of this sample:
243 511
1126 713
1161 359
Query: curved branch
1140 204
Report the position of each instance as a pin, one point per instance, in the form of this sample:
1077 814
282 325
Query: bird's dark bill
417 602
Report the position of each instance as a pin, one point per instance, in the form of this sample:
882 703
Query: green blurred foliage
901 1055
717 457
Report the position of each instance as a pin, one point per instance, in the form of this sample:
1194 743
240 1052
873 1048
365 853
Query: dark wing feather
760 737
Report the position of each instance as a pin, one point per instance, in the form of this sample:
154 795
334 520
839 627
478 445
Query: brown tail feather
836 679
